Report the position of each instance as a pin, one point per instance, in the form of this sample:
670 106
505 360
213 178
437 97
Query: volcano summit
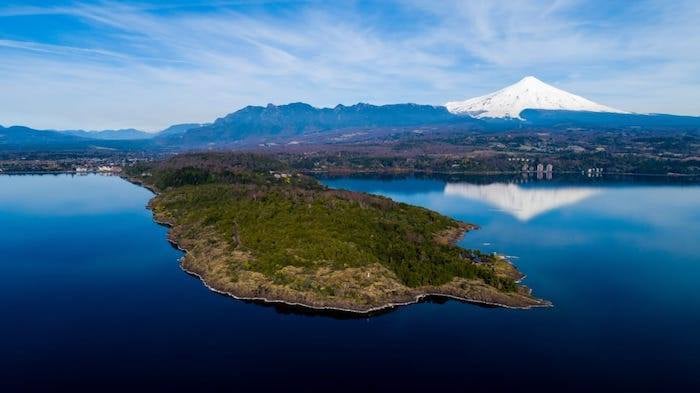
528 93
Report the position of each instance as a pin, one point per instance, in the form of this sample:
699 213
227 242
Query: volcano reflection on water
522 203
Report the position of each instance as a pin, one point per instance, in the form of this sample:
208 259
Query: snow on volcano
528 93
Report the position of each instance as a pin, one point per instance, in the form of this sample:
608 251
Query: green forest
285 218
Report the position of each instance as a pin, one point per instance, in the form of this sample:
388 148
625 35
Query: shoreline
394 172
368 312
407 171
389 306
421 297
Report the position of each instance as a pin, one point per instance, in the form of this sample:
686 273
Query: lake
93 297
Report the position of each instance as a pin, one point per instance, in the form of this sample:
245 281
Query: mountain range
272 121
20 137
527 104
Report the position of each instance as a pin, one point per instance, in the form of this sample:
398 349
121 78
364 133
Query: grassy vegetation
284 219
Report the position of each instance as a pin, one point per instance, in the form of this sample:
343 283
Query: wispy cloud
144 65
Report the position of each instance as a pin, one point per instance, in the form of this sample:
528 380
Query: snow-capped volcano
528 93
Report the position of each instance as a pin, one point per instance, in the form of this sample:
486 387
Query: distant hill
18 136
180 129
257 122
132 133
115 135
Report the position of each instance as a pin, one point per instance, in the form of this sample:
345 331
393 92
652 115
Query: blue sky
99 65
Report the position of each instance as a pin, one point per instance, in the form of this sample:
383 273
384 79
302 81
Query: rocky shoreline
369 311
411 296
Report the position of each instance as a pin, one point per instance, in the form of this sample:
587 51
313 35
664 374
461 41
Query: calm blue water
92 298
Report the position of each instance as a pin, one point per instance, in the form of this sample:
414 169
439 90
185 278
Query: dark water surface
92 298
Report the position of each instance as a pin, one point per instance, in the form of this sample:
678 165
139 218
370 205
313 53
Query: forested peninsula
255 229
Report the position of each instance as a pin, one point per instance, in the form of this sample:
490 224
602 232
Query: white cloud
147 67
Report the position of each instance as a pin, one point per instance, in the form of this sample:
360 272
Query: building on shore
594 172
108 168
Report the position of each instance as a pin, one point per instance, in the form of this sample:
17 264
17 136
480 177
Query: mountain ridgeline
20 138
528 105
257 122
16 137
